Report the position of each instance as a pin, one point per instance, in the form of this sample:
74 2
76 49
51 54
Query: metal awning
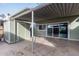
47 11
50 11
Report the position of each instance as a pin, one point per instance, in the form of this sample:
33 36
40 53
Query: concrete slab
43 47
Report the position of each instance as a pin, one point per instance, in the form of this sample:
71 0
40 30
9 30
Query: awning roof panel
52 10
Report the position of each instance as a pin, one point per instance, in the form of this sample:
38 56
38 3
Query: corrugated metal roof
52 10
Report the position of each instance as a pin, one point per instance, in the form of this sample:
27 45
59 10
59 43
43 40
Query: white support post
32 31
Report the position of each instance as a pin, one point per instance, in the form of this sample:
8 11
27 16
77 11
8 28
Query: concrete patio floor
43 47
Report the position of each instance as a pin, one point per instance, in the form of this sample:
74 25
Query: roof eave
25 11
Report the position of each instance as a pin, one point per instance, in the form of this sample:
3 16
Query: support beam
32 31
24 22
32 22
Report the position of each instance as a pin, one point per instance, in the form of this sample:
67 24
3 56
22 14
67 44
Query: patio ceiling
51 11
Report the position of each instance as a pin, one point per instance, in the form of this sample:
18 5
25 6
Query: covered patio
43 14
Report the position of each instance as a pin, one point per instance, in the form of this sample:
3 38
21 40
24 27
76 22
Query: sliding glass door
63 30
49 30
58 30
55 31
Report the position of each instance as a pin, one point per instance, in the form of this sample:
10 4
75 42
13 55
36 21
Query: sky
13 8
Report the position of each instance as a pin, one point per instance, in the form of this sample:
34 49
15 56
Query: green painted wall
40 32
73 33
23 32
74 30
7 31
12 31
19 31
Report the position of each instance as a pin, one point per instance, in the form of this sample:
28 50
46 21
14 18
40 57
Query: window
42 27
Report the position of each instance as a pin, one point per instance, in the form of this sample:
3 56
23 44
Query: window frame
41 25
